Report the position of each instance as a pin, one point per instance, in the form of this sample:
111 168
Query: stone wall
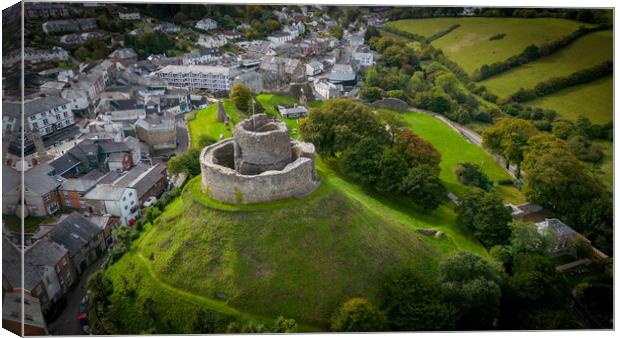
223 183
390 103
261 144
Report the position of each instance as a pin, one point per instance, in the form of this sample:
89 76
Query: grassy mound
300 259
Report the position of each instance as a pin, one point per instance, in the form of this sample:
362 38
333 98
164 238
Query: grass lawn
469 45
205 122
593 100
455 149
589 50
270 103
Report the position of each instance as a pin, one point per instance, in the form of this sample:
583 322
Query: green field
594 100
589 50
455 149
205 122
270 103
469 45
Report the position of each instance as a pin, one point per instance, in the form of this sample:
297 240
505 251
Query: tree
473 286
416 150
284 325
241 96
412 302
485 215
187 162
362 161
534 280
424 187
180 17
100 286
358 315
339 124
371 94
337 32
470 174
393 170
204 322
509 138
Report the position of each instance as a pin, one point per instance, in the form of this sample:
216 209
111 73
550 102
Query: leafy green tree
337 32
473 286
187 162
412 302
362 161
470 174
371 94
416 150
424 187
509 137
341 123
100 286
394 169
241 96
285 325
358 315
485 215
534 280
180 17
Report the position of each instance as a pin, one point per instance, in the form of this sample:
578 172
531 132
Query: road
67 322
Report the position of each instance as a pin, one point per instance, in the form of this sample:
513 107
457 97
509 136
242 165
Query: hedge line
437 53
532 53
442 33
555 84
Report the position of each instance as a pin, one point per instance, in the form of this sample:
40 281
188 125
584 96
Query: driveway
67 322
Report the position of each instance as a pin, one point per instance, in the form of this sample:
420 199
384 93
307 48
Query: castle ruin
260 163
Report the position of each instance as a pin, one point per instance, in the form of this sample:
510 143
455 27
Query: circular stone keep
261 144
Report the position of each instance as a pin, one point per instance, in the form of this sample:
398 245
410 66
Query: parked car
149 201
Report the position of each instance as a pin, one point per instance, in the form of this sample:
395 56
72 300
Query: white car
149 201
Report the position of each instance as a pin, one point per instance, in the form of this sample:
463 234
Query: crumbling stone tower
259 163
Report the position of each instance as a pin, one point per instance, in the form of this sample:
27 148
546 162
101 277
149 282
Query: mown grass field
455 149
588 51
593 100
469 45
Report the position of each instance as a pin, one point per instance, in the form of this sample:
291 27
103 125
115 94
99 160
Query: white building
45 114
213 78
206 24
365 59
129 16
313 68
327 90
212 41
121 202
280 38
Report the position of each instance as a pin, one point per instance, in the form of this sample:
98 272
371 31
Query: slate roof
11 179
105 192
65 163
74 231
141 177
38 180
11 262
113 147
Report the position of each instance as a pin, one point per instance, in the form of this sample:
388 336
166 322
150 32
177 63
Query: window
126 207
45 123
35 125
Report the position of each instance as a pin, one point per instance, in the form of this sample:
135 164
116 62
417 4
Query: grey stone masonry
260 163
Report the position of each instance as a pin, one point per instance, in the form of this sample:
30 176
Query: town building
76 25
212 78
252 80
342 74
212 41
82 239
44 115
129 16
167 27
107 198
32 319
157 132
41 191
124 54
327 90
314 68
365 58
206 24
293 112
43 10
72 190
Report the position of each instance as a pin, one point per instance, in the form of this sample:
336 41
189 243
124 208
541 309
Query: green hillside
455 149
593 100
470 45
590 50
